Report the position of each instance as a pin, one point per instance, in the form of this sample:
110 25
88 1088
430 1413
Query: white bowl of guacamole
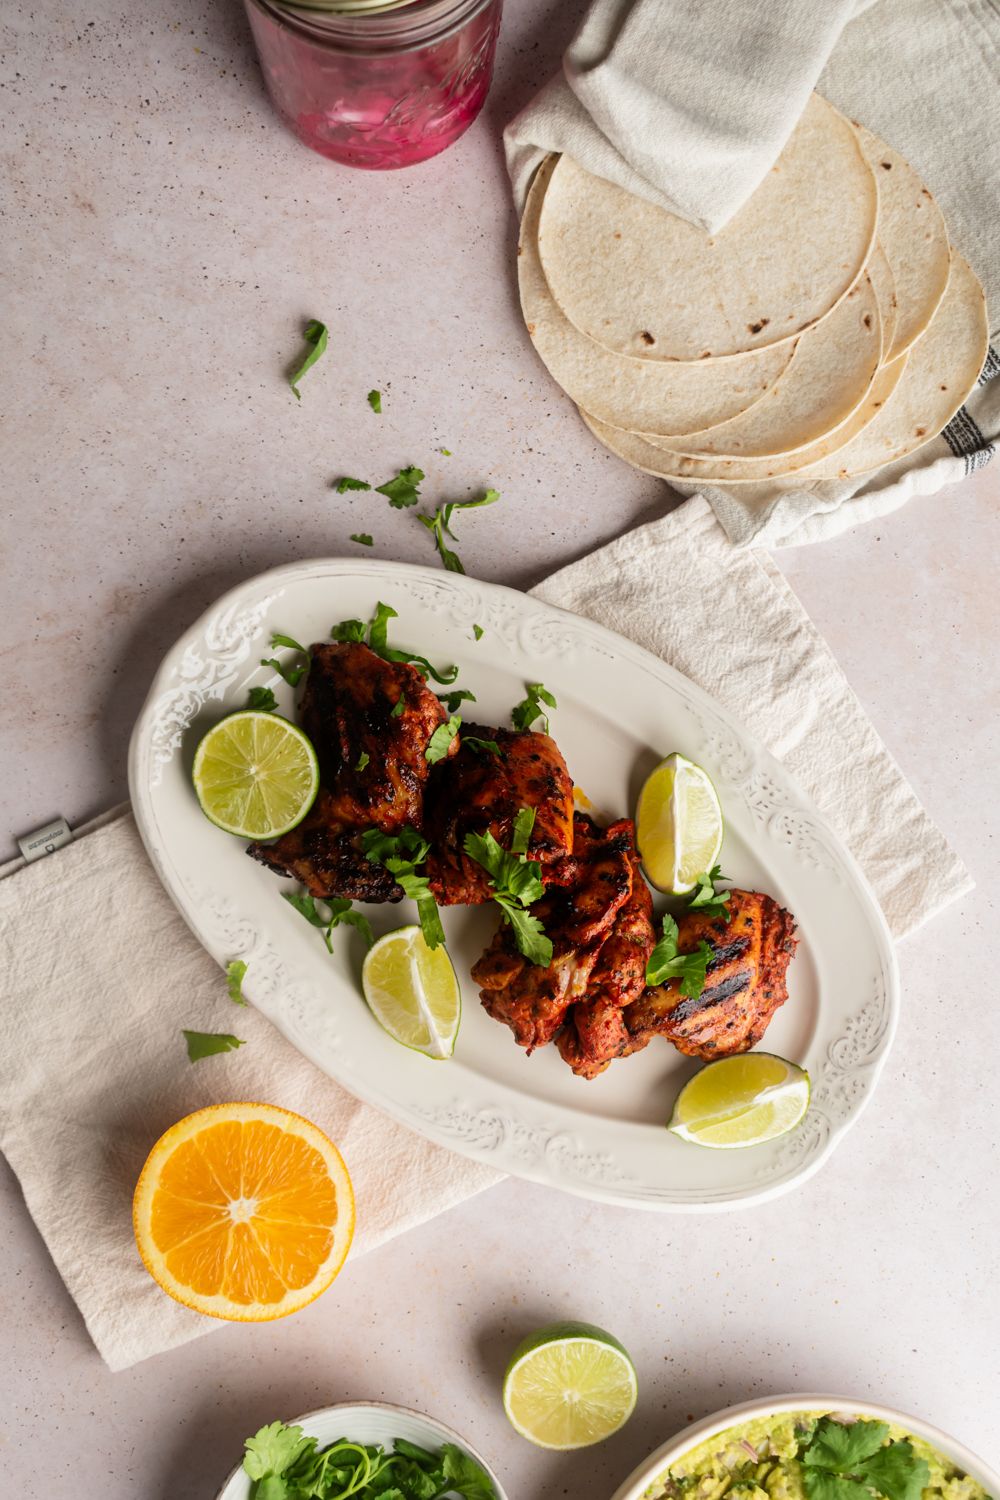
811 1448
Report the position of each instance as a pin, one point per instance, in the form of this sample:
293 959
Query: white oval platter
620 711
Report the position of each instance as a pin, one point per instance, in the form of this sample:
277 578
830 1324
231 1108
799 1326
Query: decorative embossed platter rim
607 685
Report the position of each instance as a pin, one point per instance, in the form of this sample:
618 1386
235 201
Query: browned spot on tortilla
756 327
926 192
706 354
531 329
876 404
520 249
618 234
647 337
944 387
867 320
887 166
919 431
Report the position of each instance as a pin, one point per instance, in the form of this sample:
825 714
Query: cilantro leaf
666 963
363 538
453 699
445 451
478 632
235 973
315 335
378 641
821 1484
400 854
440 741
347 483
274 1449
524 714
363 760
840 1447
439 525
378 630
706 899
374 399
340 911
263 699
206 1043
516 882
464 1475
523 825
349 630
529 934
292 675
398 707
482 747
896 1472
403 490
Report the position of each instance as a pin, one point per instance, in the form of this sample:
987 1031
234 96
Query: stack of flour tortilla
828 329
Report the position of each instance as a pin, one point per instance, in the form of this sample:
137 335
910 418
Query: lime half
678 825
255 775
741 1101
413 992
569 1385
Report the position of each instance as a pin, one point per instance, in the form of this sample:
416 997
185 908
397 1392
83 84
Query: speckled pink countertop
166 239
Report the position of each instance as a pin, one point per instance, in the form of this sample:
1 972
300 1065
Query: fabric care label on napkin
100 973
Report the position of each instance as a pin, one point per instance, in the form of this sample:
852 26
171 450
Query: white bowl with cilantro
811 1447
328 1447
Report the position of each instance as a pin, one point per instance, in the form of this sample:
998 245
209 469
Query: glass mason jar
382 88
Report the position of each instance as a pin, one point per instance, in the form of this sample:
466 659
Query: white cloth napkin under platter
100 972
689 102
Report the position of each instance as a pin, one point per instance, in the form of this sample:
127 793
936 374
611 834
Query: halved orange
244 1211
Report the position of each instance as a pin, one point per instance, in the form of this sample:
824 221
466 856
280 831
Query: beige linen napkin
100 973
688 103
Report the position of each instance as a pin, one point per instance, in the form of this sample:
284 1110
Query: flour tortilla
654 459
652 396
642 282
943 367
829 376
911 231
880 274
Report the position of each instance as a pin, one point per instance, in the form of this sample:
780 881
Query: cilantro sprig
235 975
374 399
377 631
517 884
338 912
347 483
404 490
400 854
316 336
262 698
439 525
440 741
284 1464
207 1043
666 963
452 700
524 714
854 1462
294 674
706 899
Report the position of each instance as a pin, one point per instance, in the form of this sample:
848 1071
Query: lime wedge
413 992
741 1101
569 1385
678 825
255 775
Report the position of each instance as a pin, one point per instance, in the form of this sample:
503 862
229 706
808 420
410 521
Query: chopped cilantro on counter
346 483
374 399
315 335
404 489
439 525
363 538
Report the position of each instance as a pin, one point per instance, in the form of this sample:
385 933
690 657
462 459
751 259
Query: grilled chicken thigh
744 985
475 790
578 919
373 770
595 1031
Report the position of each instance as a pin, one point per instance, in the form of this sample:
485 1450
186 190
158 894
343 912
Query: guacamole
762 1460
